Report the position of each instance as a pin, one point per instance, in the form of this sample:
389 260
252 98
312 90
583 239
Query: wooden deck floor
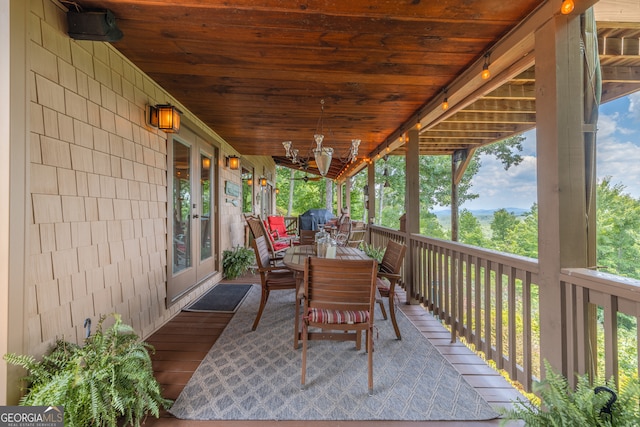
183 342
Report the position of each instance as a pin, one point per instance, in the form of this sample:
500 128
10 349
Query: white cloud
634 106
607 125
620 161
513 188
618 156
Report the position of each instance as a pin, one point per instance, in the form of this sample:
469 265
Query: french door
192 248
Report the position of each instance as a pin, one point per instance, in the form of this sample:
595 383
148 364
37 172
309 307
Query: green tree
507 151
522 239
618 230
471 230
306 195
502 222
430 226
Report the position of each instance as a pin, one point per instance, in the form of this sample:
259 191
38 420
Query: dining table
294 259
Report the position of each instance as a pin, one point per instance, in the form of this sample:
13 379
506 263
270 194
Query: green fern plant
586 406
373 251
236 261
106 382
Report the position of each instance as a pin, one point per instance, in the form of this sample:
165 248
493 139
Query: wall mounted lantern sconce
277 191
249 182
233 162
263 182
165 117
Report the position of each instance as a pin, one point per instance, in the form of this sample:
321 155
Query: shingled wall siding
98 182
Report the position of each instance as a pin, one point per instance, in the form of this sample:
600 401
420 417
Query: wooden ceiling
255 71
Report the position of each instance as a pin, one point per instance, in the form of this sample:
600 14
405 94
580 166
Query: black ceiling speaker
96 25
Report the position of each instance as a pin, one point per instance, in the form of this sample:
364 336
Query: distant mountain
481 212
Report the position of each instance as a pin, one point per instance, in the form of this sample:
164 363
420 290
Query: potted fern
373 251
106 382
236 261
587 405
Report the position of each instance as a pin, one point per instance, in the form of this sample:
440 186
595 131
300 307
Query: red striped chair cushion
318 315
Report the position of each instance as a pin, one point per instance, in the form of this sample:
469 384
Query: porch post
562 228
14 161
412 206
371 184
347 198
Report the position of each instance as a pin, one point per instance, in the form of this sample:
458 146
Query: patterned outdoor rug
256 375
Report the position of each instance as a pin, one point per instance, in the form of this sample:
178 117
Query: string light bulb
445 101
567 7
485 68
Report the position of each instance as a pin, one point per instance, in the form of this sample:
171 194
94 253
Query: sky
618 156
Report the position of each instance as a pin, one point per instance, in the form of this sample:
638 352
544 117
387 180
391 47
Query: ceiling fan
308 178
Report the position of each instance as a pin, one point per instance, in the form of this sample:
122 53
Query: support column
455 222
411 207
562 228
347 196
14 143
371 184
412 184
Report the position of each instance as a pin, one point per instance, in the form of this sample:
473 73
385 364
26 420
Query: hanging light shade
323 159
323 155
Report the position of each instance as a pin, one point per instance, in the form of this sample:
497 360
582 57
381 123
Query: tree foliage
618 230
471 230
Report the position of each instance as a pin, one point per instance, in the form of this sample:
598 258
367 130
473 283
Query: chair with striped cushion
339 297
388 276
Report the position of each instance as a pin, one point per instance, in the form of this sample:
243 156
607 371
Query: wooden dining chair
387 277
276 249
339 295
356 237
307 237
343 233
272 278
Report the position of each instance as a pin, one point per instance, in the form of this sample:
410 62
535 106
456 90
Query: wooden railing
489 299
588 295
291 223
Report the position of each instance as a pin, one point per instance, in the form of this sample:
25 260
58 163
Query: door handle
196 216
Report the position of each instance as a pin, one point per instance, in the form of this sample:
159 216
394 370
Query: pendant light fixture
322 154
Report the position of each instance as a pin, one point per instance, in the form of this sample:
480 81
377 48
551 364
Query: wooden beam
462 166
621 74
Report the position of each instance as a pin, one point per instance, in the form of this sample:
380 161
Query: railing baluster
512 313
498 308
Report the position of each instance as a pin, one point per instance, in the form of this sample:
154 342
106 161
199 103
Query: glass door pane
181 207
205 203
